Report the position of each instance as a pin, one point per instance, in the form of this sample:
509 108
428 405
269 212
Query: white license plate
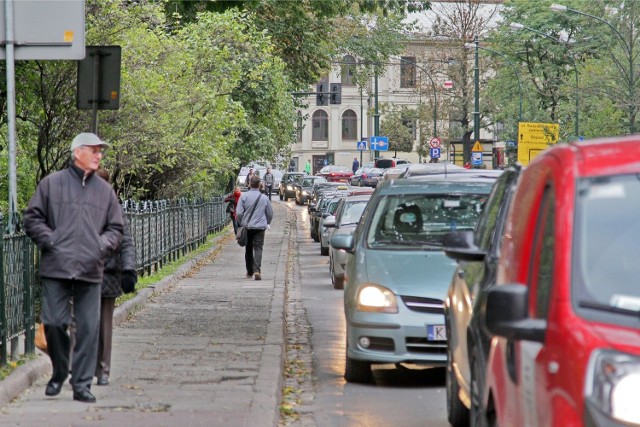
436 333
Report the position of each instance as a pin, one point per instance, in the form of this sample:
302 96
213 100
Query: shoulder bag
241 234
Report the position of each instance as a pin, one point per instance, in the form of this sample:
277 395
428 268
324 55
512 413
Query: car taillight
364 176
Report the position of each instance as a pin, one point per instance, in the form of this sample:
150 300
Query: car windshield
413 220
308 182
606 237
352 212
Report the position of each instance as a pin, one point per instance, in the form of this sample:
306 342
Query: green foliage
397 125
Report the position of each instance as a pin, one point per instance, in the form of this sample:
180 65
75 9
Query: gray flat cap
87 138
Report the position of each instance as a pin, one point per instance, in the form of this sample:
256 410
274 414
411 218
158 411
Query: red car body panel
543 384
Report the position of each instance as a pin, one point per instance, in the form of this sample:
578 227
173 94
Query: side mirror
343 241
507 314
460 246
329 221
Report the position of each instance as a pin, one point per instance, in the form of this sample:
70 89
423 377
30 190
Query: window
349 125
320 123
408 72
544 248
347 70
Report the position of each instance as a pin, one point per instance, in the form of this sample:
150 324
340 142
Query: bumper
395 338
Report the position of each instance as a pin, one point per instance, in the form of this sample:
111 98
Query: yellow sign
477 147
534 138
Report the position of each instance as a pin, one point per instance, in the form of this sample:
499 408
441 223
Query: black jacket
74 220
124 258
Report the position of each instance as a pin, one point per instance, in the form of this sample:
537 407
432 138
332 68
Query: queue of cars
543 310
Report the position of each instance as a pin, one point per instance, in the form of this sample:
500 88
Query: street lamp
628 49
517 26
513 67
476 85
435 95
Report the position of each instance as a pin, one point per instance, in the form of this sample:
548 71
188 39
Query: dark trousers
103 361
253 250
268 189
56 317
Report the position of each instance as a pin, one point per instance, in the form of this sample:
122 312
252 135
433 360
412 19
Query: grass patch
5 371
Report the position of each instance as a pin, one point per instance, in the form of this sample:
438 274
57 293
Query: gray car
398 275
345 221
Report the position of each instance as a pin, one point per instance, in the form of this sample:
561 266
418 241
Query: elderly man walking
256 213
75 219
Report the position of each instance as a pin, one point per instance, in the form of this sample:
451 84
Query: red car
566 307
334 173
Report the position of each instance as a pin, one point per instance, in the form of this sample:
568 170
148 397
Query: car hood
409 272
618 337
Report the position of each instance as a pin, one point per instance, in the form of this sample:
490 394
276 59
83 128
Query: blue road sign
362 145
476 158
511 143
581 138
434 153
380 143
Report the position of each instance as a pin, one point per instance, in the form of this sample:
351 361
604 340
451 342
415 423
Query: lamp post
628 49
476 92
513 67
517 26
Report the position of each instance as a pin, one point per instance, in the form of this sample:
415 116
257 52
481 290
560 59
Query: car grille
424 305
422 346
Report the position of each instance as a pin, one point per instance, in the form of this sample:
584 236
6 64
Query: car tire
316 236
477 413
324 250
458 414
357 371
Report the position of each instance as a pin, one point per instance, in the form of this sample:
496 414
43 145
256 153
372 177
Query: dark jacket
124 258
75 221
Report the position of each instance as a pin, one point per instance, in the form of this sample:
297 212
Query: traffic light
321 98
336 93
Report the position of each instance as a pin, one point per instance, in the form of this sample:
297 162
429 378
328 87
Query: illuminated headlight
376 298
612 385
305 193
289 187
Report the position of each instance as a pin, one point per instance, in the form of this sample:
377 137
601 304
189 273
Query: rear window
415 220
385 163
606 240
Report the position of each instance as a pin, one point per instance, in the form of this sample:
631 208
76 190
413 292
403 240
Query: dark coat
75 221
117 262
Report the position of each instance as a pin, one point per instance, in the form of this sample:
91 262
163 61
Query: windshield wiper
608 308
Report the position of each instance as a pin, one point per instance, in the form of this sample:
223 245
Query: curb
26 375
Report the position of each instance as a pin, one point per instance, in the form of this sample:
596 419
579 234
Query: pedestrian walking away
259 209
246 180
232 203
355 165
307 167
75 219
119 277
268 183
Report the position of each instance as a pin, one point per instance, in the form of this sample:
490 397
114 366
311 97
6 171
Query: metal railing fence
162 231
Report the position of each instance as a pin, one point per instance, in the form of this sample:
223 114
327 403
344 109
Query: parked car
241 179
303 188
319 211
321 188
398 276
345 221
323 231
277 178
468 341
286 189
566 306
335 173
366 177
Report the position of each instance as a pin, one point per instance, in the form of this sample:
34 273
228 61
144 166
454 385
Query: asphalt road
403 396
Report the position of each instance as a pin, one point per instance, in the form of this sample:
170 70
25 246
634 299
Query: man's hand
128 281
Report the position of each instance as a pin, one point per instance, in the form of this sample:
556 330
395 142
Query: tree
398 125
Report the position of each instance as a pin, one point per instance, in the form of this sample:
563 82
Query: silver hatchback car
398 275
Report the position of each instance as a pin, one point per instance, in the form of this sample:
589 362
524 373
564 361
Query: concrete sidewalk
201 348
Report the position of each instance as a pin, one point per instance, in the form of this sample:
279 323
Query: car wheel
458 413
357 371
324 250
477 414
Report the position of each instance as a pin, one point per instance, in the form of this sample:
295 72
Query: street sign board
476 158
435 142
535 137
107 78
477 147
434 153
45 29
362 145
379 143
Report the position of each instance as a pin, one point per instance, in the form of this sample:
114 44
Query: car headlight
376 298
305 193
613 380
289 187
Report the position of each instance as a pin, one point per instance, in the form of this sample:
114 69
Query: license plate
436 333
